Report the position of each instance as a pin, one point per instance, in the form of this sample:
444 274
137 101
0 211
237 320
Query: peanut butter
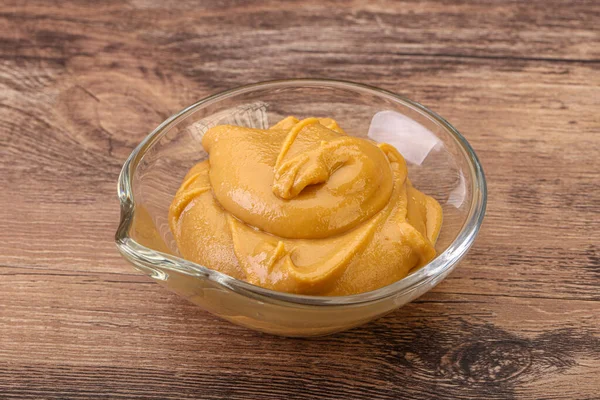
303 208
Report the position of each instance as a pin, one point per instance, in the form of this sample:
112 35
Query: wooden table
81 83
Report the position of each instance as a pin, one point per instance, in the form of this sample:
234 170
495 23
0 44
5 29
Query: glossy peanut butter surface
303 208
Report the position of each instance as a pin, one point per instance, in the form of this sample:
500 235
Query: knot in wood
494 361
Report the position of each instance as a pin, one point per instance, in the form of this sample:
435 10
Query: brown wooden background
81 83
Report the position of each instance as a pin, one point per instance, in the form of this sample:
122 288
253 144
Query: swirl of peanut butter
303 208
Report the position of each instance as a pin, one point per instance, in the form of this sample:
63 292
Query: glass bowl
441 164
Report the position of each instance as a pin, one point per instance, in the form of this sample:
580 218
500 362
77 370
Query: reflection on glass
458 194
412 139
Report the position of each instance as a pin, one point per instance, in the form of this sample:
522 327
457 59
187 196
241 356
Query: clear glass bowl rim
139 254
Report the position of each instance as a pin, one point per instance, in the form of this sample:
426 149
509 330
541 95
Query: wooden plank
539 159
94 336
227 33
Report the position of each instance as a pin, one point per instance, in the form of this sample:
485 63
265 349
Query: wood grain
81 83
